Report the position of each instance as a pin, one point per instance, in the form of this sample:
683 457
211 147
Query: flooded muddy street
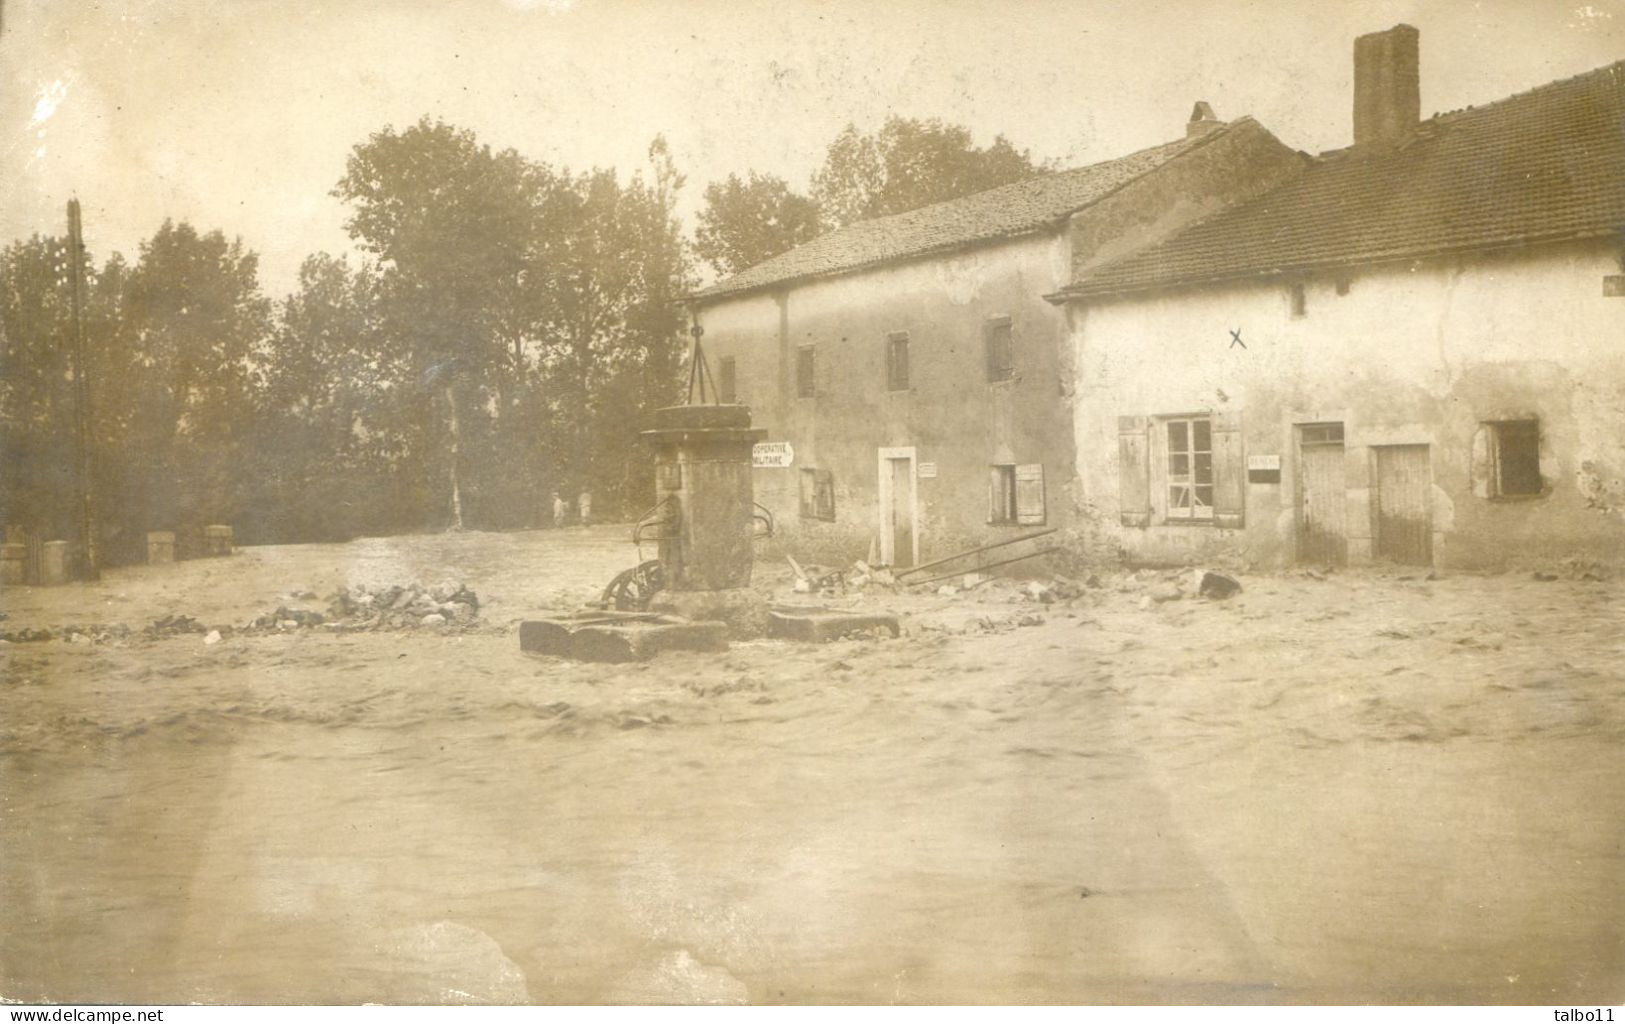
1361 788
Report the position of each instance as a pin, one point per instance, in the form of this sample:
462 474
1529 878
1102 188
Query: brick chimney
1202 121
1387 97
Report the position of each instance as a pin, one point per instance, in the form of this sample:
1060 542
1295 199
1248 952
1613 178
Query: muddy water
1276 799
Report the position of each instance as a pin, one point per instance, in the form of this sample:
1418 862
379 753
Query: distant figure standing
584 506
559 508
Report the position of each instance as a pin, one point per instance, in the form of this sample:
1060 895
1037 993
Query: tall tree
191 318
614 274
453 226
910 163
36 456
745 221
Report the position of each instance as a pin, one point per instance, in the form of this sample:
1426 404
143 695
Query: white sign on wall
1264 462
928 470
772 455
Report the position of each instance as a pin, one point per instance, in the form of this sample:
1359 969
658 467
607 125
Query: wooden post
81 395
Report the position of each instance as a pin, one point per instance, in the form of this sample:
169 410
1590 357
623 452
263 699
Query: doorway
1322 495
1404 520
899 508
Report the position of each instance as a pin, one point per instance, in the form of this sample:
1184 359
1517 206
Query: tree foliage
745 221
508 328
907 164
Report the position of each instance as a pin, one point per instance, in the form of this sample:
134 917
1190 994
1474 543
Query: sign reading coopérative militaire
772 455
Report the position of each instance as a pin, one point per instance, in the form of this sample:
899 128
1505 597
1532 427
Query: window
998 341
805 365
1183 470
897 361
817 494
1320 433
727 385
1515 457
1190 468
1299 301
1016 495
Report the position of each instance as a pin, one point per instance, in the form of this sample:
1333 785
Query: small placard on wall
1263 469
928 470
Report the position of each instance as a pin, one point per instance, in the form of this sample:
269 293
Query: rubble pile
397 607
1157 588
414 606
94 633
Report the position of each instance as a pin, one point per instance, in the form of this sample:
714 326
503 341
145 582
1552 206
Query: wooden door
1322 528
1404 522
901 513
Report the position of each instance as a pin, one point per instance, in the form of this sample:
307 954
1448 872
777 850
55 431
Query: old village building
915 368
1412 349
1412 352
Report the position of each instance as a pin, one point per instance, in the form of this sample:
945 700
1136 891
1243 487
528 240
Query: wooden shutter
824 494
1133 471
1229 471
1030 494
809 490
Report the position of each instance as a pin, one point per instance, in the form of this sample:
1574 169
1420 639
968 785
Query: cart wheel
631 590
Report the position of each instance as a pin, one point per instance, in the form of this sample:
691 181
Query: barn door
1404 524
1322 498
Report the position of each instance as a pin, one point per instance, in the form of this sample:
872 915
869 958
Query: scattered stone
1545 577
947 590
1217 586
433 619
213 637
171 625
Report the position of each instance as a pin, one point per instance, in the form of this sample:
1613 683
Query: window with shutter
1133 472
824 495
1030 494
817 494
897 361
1188 468
726 385
1001 495
1515 458
998 340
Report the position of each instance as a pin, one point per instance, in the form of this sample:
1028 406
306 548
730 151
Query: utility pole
81 395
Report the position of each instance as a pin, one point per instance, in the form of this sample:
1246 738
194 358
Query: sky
238 114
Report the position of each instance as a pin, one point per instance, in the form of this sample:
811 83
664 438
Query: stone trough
607 636
822 625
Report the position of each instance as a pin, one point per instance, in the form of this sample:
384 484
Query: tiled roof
1546 164
1004 212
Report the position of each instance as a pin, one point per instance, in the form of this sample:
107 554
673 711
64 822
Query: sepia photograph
812 502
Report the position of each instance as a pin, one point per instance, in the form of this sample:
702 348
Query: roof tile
1544 164
1007 211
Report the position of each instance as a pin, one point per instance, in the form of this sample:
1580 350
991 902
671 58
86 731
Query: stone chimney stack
1387 96
1202 121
